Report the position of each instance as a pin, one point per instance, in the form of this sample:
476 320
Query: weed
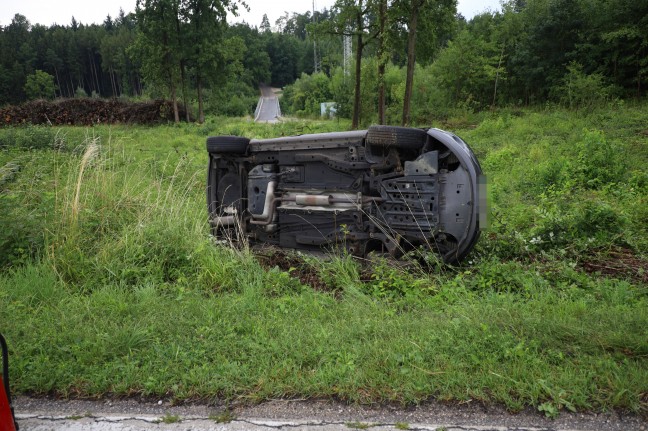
387 280
358 425
170 419
599 162
402 426
224 417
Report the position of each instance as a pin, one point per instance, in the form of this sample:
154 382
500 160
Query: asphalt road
41 414
267 110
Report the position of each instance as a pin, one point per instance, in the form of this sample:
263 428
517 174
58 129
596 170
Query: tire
227 144
397 137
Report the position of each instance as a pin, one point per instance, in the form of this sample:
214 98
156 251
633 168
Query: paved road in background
130 415
267 110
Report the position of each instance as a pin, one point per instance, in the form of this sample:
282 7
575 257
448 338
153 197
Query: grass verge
112 285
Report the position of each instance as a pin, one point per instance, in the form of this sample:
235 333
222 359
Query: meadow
112 287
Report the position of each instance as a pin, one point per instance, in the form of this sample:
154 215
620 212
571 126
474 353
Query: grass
224 417
170 419
112 287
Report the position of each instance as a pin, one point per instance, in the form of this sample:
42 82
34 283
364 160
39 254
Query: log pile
87 112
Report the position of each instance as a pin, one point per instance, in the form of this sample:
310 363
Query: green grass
112 287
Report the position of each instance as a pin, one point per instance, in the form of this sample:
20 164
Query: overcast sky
48 12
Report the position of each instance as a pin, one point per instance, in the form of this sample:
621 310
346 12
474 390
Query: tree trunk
172 90
91 71
411 59
381 63
355 121
120 86
184 90
58 82
112 82
99 89
176 114
201 114
183 85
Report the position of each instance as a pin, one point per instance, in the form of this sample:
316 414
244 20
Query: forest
410 61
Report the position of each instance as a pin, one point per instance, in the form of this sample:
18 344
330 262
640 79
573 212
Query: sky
48 12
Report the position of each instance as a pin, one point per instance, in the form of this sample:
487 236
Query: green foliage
235 99
127 294
303 98
40 85
581 91
25 239
599 162
32 138
80 93
466 70
392 282
170 419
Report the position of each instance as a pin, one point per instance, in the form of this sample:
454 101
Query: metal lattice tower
347 49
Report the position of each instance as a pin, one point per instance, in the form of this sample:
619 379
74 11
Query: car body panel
391 193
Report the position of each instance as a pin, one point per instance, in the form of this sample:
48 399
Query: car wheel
398 137
227 144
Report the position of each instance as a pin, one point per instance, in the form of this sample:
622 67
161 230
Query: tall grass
113 286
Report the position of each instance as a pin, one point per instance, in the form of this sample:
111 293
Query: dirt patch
618 263
87 112
293 264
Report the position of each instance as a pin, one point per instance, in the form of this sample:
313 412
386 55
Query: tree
466 68
382 58
353 18
40 85
426 12
17 58
257 66
265 24
157 44
204 38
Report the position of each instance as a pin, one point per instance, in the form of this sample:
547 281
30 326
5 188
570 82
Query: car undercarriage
386 189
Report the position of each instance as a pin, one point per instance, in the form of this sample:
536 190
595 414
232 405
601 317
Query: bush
599 162
303 98
581 91
22 242
235 99
40 85
32 138
563 222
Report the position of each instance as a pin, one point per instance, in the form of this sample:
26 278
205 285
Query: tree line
419 58
179 49
410 59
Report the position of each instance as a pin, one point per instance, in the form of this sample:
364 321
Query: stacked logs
87 112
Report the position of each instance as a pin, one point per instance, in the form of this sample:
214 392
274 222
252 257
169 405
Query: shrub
40 85
563 222
581 91
32 137
599 162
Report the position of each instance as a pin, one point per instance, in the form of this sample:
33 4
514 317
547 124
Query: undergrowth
111 284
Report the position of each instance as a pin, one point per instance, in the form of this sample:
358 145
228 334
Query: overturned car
385 189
